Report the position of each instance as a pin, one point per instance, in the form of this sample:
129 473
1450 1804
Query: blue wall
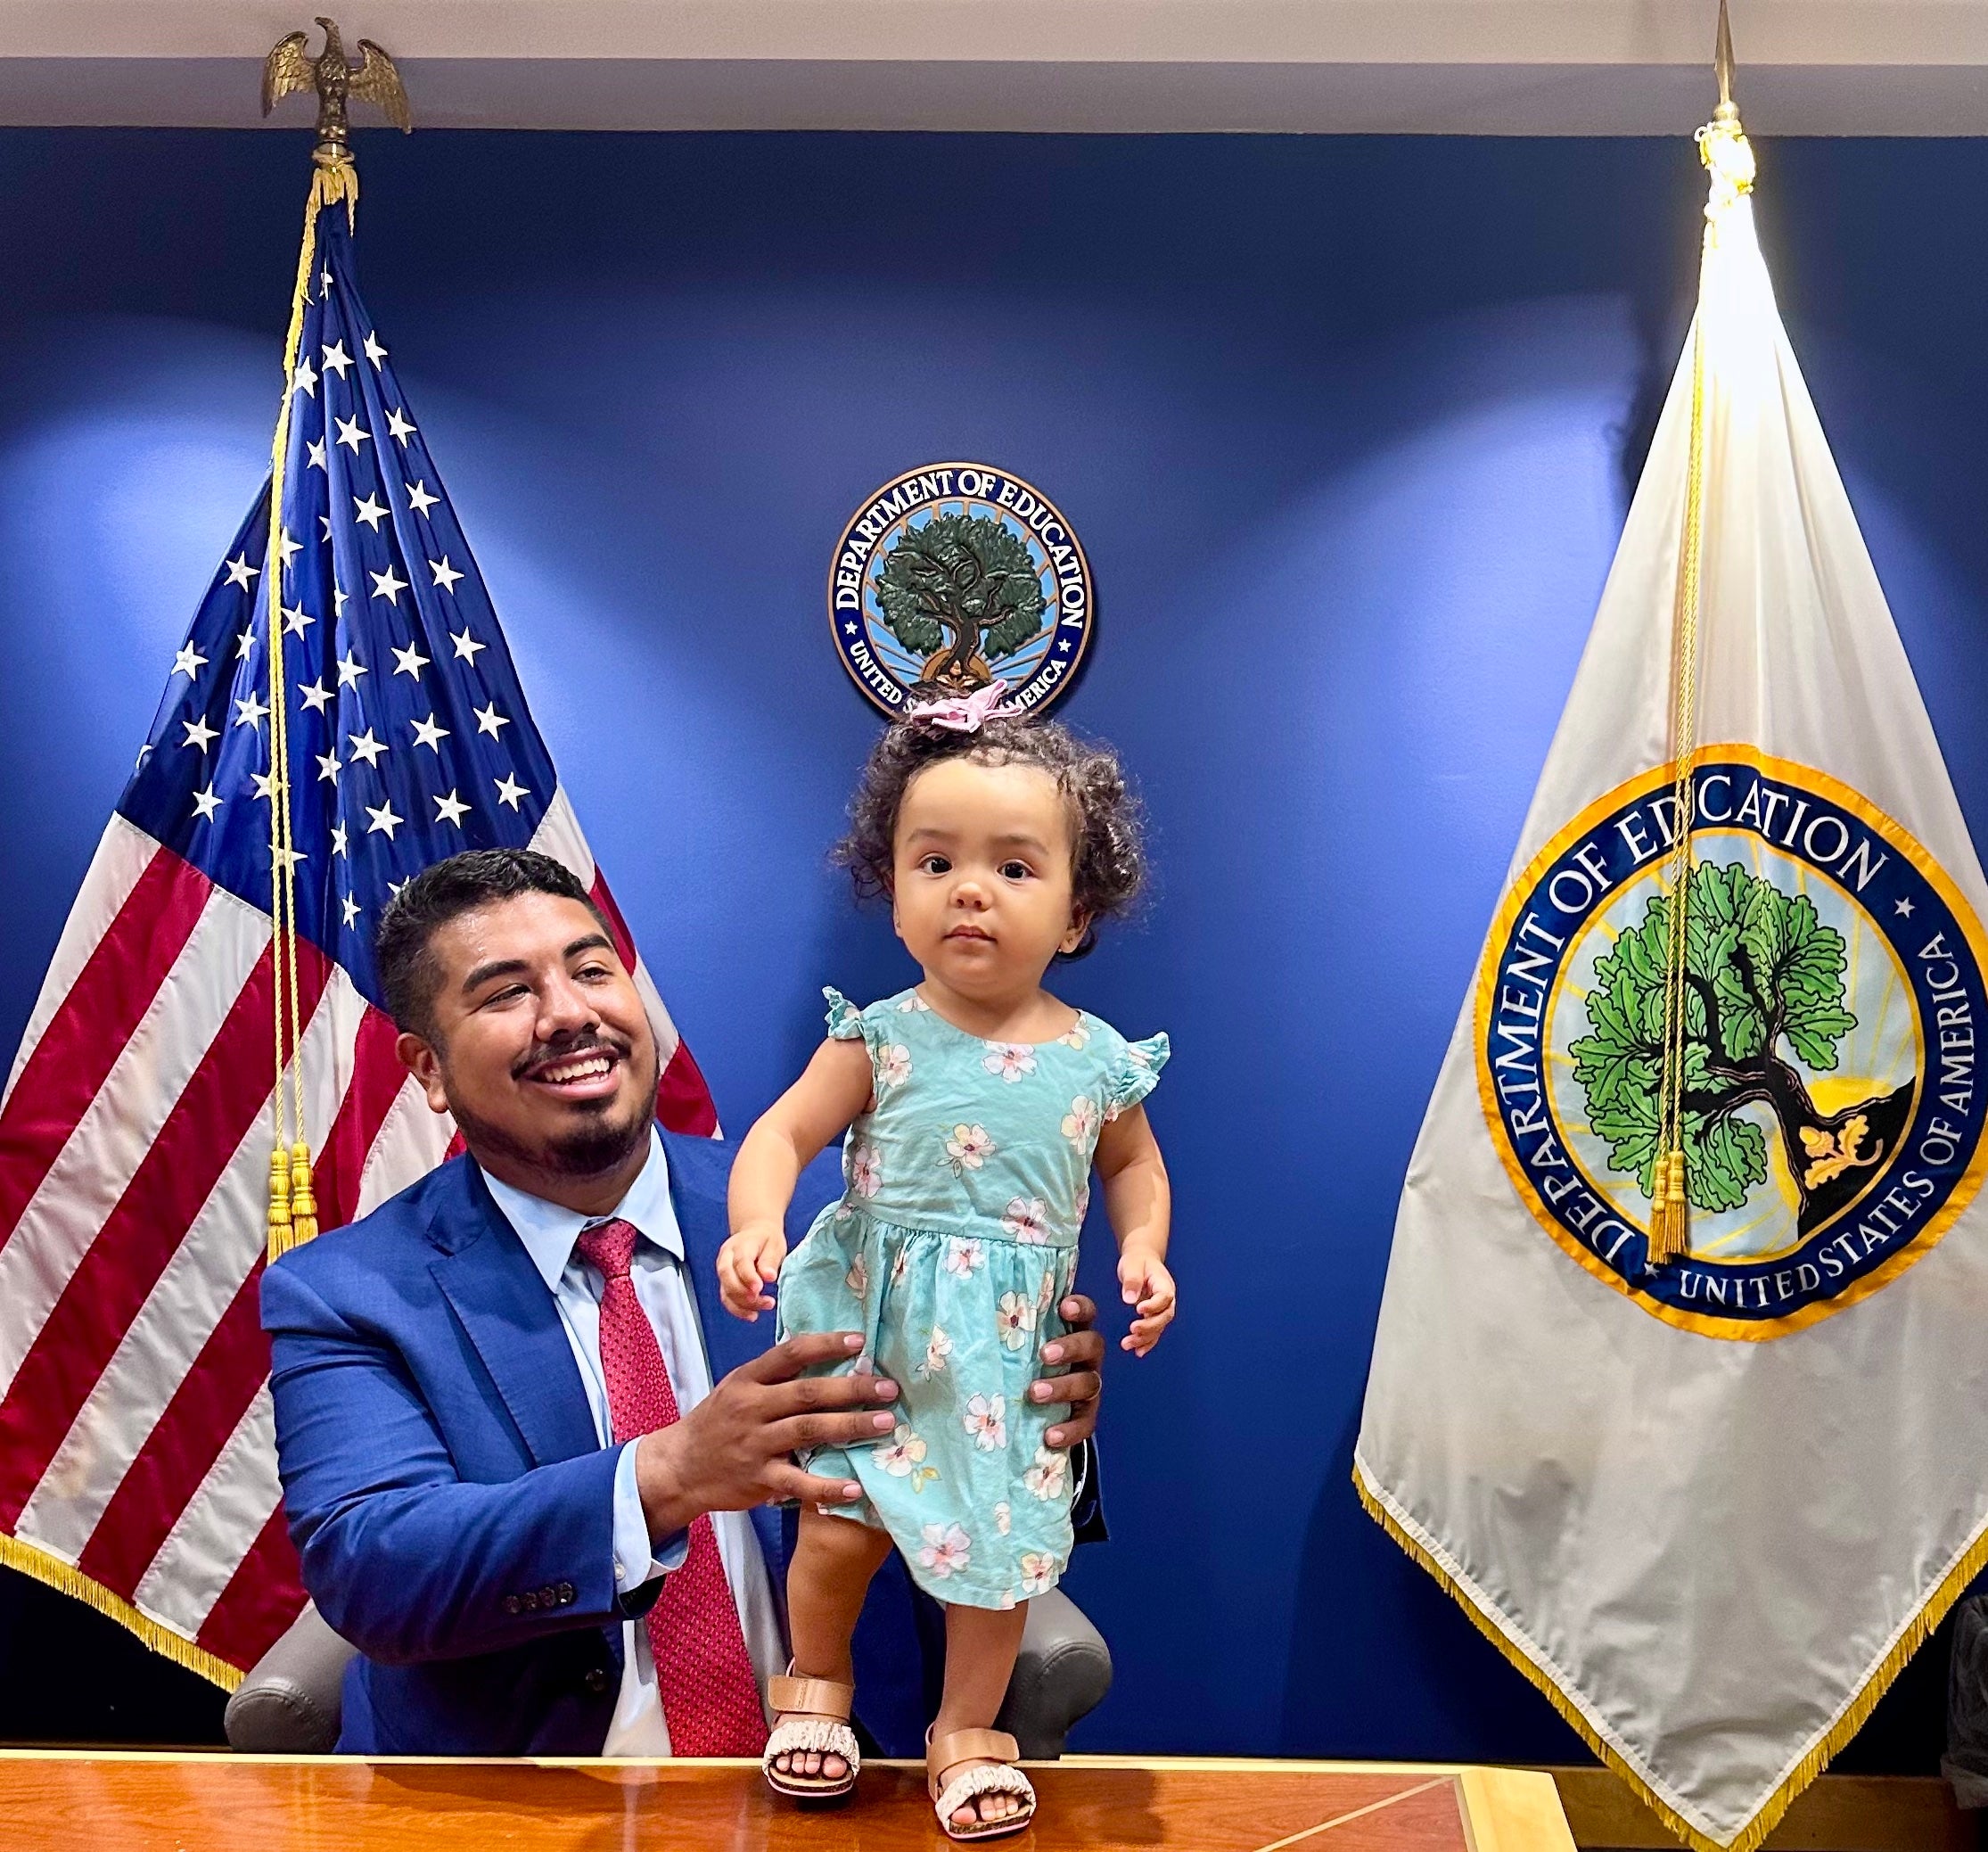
1347 428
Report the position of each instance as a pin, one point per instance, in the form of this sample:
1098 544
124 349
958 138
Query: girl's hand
1148 1288
748 1263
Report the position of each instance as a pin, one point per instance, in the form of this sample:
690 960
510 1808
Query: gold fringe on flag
65 1578
1851 1719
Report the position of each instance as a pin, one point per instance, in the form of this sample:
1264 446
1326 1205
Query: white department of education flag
1710 1505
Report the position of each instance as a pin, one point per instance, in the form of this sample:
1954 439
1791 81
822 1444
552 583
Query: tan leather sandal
995 1754
813 1719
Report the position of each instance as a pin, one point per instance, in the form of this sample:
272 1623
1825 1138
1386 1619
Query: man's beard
589 1150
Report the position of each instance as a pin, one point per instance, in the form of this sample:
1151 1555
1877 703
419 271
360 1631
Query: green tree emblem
962 592
1764 980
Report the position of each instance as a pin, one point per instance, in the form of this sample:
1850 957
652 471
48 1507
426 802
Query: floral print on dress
1027 1219
968 1149
986 1420
938 1348
1009 1059
1046 1478
966 1181
866 1169
1014 1319
1079 1124
901 1453
946 1549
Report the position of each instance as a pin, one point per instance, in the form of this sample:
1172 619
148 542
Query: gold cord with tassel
293 1214
1723 148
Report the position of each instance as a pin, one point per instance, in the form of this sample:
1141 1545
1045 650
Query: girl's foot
977 1793
810 1751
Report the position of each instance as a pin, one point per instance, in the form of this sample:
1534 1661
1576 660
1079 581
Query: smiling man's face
538 1043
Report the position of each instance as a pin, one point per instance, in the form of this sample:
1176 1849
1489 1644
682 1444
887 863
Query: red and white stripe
136 1446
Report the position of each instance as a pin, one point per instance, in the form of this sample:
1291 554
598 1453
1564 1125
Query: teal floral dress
955 1241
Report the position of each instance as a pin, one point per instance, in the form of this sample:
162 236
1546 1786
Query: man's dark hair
408 975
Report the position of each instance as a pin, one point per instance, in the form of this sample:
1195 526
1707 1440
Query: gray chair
289 1704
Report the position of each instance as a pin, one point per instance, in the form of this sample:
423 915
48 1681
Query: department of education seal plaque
954 575
1832 1106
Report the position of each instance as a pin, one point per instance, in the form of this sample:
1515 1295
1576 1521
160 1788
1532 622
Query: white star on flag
366 748
409 661
350 670
489 719
374 353
383 818
198 733
337 360
315 695
466 646
388 585
250 711
188 663
445 575
451 809
240 571
205 804
510 790
419 500
427 733
329 766
352 434
370 511
307 380
398 425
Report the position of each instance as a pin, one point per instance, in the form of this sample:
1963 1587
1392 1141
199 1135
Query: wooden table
53 1800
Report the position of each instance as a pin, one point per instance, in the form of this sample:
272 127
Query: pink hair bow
964 713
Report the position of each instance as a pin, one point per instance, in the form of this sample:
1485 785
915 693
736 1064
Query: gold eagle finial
373 79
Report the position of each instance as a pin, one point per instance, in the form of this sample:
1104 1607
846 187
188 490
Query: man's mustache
568 1048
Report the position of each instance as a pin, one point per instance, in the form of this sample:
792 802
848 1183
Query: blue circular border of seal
1941 1159
931 484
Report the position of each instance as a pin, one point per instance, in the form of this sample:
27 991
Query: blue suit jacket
450 1503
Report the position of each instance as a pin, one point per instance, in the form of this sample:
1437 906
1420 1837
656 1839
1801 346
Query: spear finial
1722 62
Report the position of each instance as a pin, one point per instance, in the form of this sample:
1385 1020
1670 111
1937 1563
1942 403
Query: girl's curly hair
1109 858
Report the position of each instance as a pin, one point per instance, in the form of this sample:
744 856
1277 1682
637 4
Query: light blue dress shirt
549 1234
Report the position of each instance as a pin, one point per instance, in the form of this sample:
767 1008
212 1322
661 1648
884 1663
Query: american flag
138 1461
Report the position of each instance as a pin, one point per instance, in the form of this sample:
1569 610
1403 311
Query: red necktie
710 1701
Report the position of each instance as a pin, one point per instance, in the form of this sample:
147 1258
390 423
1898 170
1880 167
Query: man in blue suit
468 1510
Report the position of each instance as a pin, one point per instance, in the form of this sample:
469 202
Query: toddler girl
977 1105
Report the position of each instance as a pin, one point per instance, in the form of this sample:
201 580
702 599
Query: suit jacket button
597 1679
568 1594
527 1600
548 1596
509 1604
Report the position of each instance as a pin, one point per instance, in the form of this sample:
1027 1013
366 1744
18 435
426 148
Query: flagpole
1729 157
292 1213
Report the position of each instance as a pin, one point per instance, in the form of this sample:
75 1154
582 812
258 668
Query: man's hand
748 1263
730 1452
1079 1351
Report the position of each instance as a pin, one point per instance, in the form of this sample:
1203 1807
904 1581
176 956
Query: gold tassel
1670 1209
279 1202
303 1203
